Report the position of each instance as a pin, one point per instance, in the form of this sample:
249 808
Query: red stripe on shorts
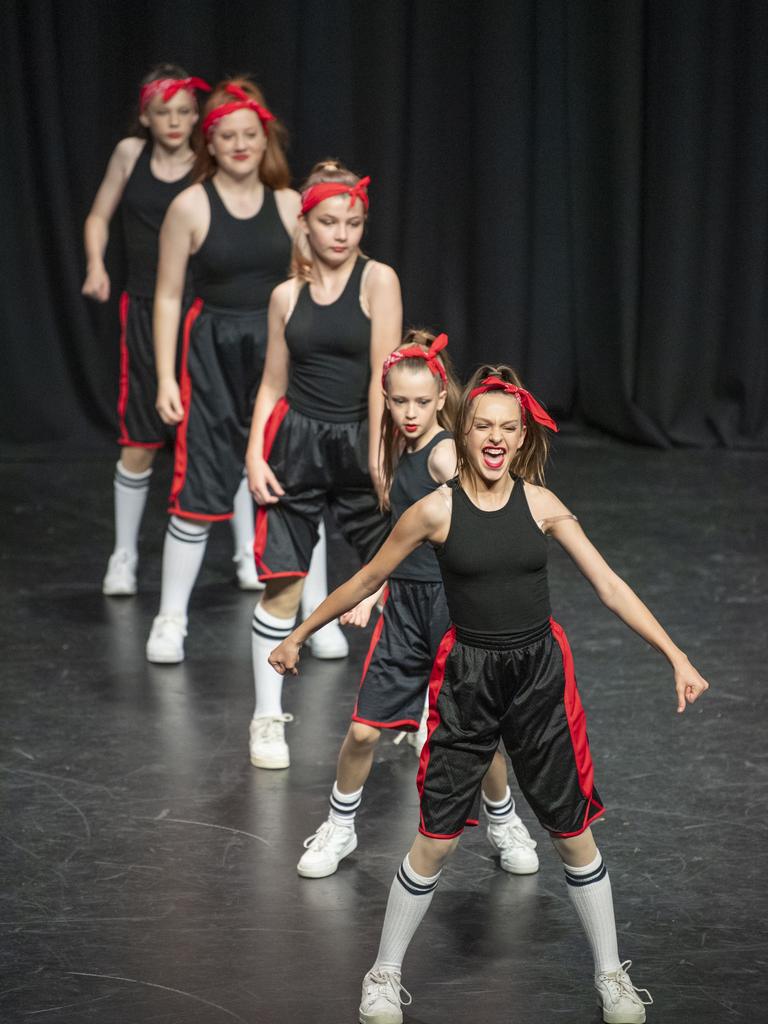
271 428
122 396
185 389
436 680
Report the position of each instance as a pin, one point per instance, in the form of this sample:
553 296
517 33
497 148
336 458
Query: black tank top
330 350
144 204
494 567
411 483
241 261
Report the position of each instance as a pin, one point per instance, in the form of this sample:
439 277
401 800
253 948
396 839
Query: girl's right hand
96 285
361 613
262 482
168 402
285 658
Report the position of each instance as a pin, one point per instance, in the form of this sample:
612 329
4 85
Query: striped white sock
183 552
267 633
344 806
130 490
499 812
590 891
409 900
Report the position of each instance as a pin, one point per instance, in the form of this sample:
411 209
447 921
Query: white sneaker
165 645
267 741
328 642
325 849
621 1002
512 841
120 578
246 572
383 995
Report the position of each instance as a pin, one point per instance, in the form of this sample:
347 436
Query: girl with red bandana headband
232 229
420 401
503 670
146 172
330 327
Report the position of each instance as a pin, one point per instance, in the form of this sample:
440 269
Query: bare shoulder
436 508
442 460
127 152
282 296
543 503
288 199
380 276
190 204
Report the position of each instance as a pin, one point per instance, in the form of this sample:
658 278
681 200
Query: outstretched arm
426 520
614 592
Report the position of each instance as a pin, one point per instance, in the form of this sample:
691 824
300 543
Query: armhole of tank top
296 286
363 278
444 435
447 496
146 148
210 217
519 481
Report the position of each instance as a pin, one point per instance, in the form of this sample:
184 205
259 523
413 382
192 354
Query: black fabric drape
576 188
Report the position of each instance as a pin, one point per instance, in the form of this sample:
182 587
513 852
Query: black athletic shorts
403 647
221 365
526 694
139 424
318 464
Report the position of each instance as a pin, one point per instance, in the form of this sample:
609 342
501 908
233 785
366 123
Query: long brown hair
392 442
331 170
529 462
273 169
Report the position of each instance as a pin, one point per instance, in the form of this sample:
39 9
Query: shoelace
515 834
387 980
320 839
166 623
268 728
624 986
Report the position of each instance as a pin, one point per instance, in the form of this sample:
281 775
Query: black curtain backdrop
575 187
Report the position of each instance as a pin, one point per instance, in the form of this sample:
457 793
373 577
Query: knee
363 736
427 856
576 851
282 597
137 460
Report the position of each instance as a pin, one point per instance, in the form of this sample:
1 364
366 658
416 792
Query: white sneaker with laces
267 741
383 995
165 645
621 1002
120 578
325 849
328 643
517 851
246 572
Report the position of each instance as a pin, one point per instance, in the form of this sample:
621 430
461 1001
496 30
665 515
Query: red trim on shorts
125 438
181 452
375 637
387 725
202 516
436 680
261 530
577 725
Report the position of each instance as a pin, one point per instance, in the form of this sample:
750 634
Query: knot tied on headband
242 102
325 189
436 368
527 402
169 87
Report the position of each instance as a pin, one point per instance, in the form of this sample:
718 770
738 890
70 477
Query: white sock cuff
507 798
422 881
268 619
595 871
268 629
346 798
123 475
187 530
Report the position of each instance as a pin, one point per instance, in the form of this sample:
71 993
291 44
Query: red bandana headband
527 402
243 102
169 87
325 189
436 368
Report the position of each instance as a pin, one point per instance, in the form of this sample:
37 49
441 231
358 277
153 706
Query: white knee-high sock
268 631
316 582
183 551
131 490
242 520
344 806
409 900
500 811
589 889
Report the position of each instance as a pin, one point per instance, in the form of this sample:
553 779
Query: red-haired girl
146 172
418 454
233 229
503 670
330 326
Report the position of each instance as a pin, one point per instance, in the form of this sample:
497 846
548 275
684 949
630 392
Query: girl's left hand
689 685
360 614
285 658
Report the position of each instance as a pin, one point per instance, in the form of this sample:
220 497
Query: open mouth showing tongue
494 457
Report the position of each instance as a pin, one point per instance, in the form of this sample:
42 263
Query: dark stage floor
149 872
